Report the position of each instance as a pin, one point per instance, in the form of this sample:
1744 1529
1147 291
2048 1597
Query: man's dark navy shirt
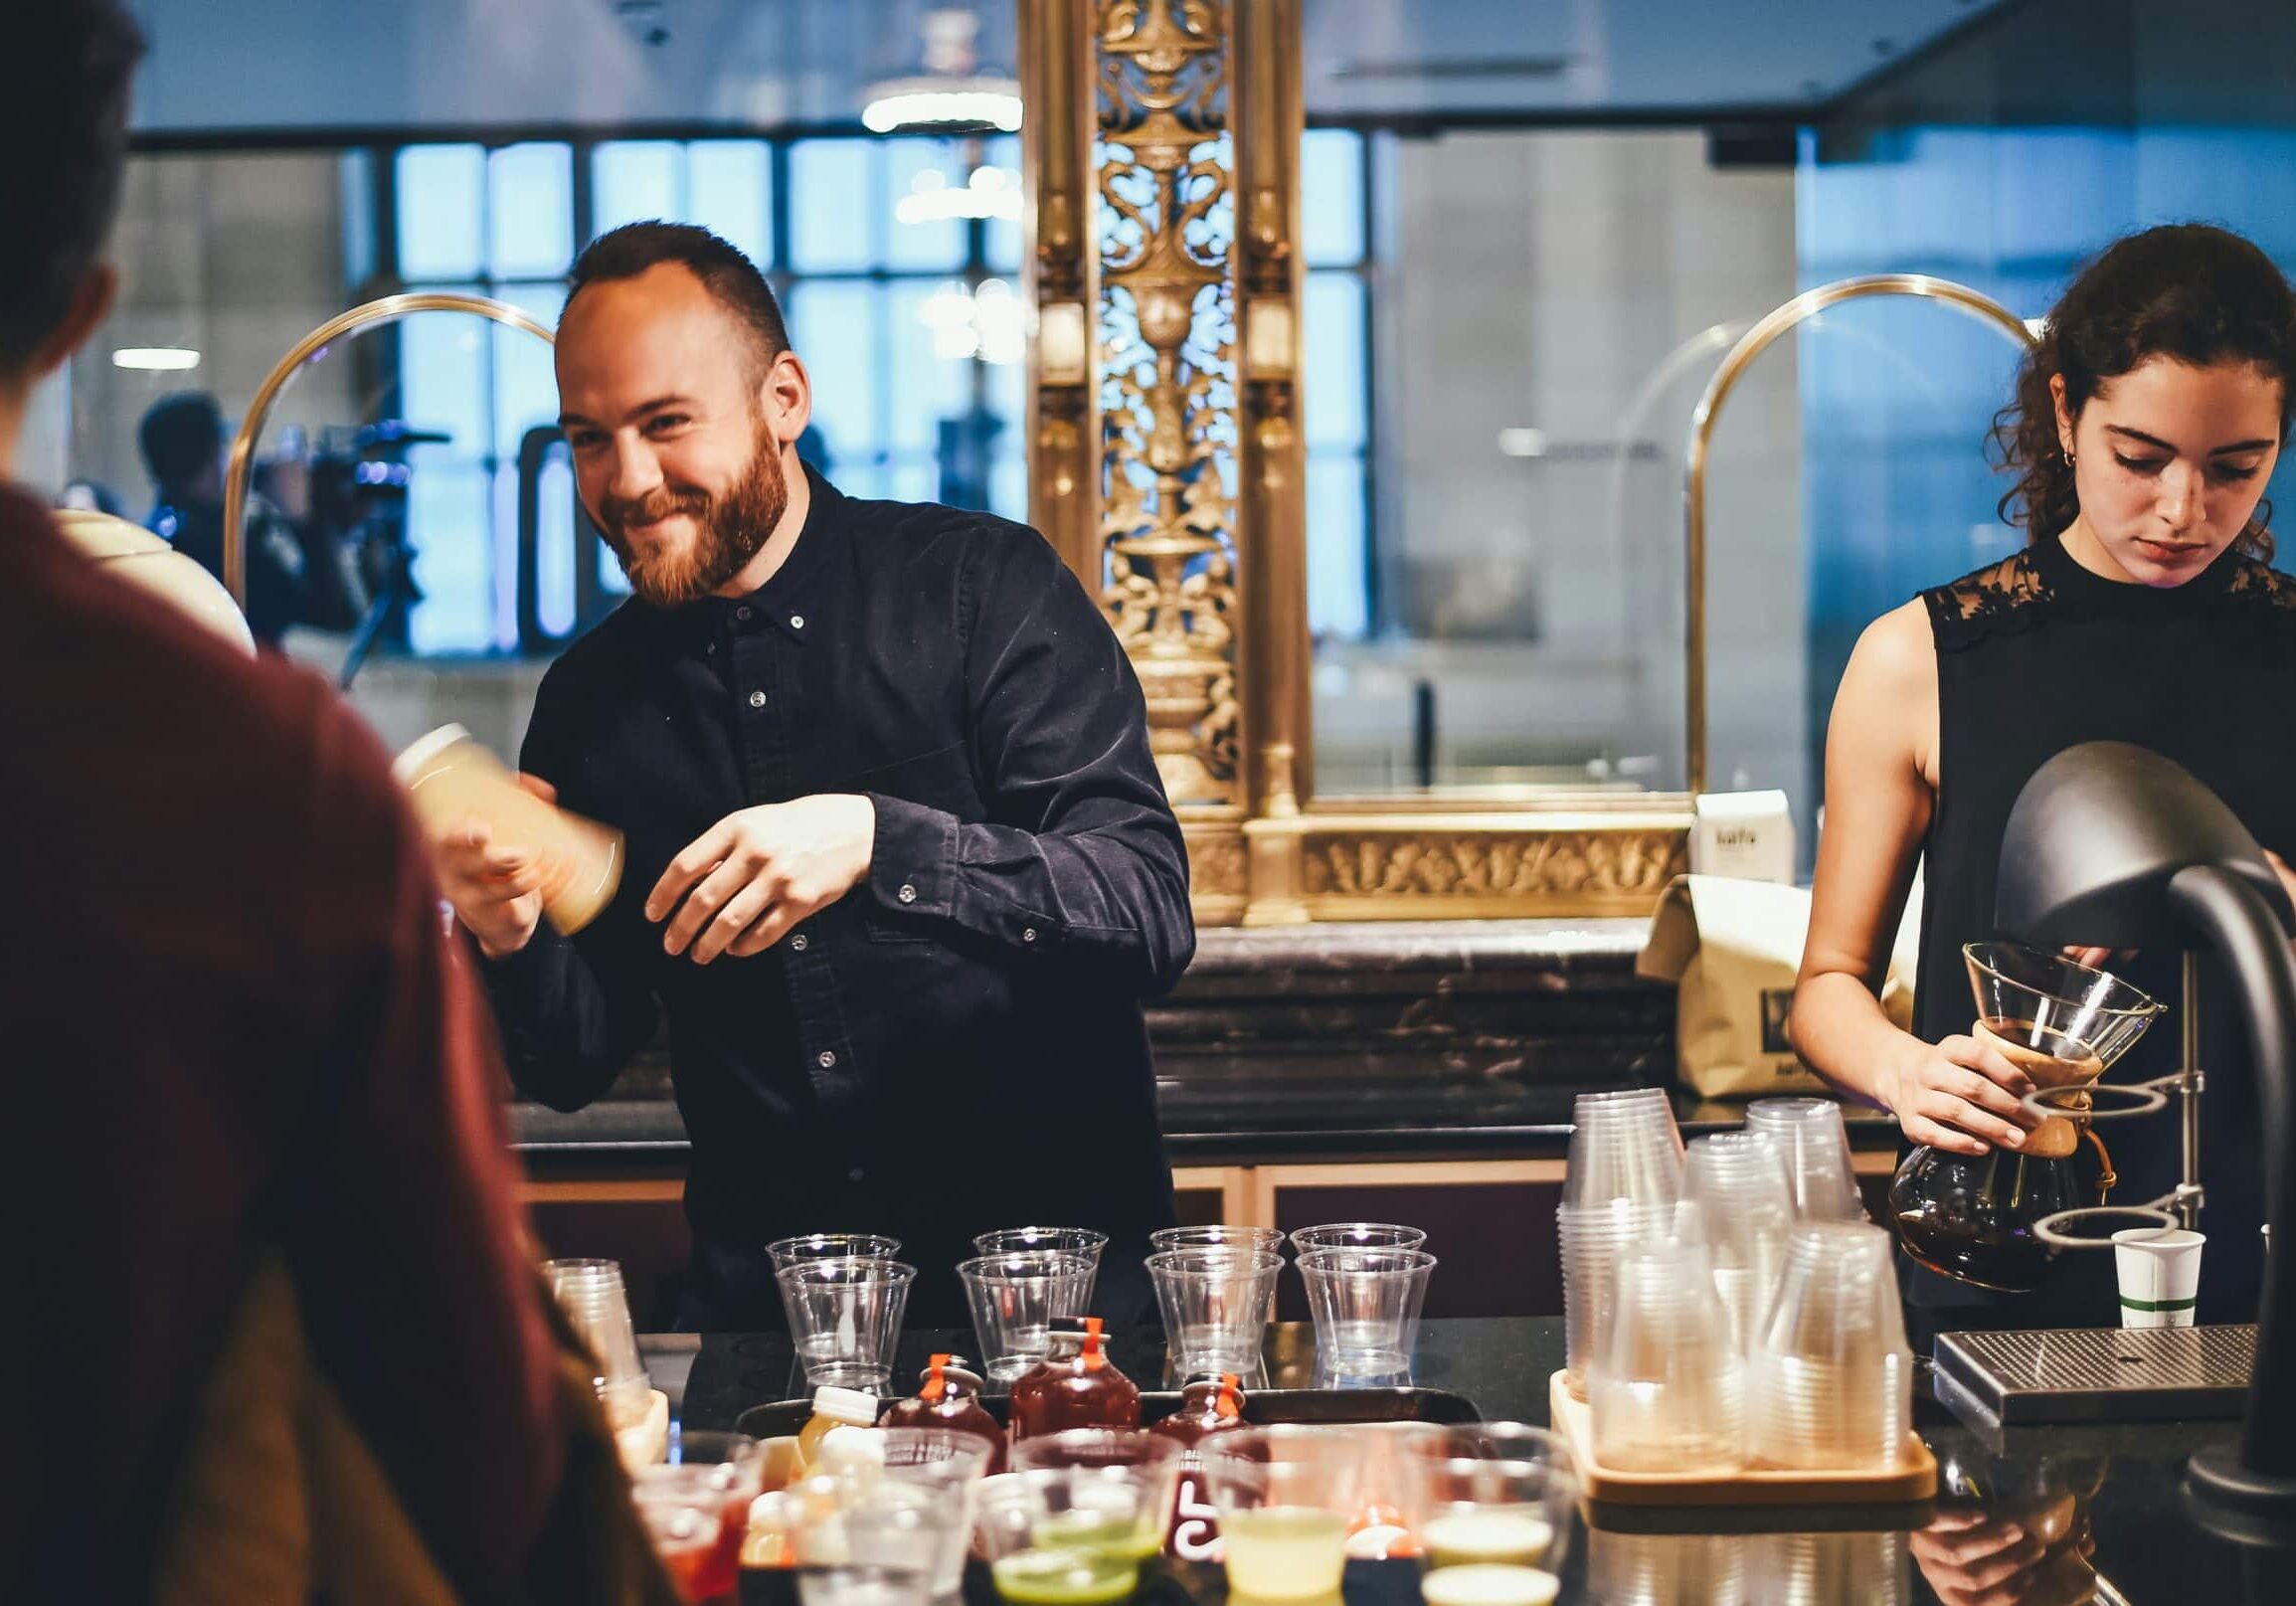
957 1044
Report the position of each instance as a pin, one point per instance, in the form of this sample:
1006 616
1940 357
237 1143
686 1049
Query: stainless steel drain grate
2100 1375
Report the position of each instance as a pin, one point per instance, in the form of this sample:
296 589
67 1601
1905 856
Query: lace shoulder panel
2006 596
2262 585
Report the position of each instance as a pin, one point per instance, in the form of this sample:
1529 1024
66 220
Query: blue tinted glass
1330 196
525 386
1331 363
1008 485
441 207
553 548
932 367
634 180
916 480
732 195
937 164
834 205
446 523
1008 398
1337 598
1003 243
442 362
839 329
530 213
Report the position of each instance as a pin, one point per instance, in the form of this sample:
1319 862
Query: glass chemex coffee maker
1997 1219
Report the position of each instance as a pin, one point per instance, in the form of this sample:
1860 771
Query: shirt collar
788 600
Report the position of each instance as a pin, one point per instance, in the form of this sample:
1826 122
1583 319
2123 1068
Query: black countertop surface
2042 1515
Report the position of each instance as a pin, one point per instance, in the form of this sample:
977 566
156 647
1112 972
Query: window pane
447 520
934 244
1332 337
1337 603
632 180
554 552
441 207
525 385
1008 485
1330 196
834 205
916 480
932 381
733 183
836 327
1003 243
530 194
442 377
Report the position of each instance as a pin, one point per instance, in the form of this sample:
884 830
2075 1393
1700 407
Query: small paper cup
2160 1275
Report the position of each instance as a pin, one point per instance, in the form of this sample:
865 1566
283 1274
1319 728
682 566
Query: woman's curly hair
2200 294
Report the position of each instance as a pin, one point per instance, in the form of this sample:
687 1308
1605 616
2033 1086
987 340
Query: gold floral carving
1218 865
1167 389
1625 864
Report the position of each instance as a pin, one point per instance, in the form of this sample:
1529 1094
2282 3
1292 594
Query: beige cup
450 777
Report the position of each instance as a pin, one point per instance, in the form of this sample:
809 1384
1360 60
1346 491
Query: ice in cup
451 779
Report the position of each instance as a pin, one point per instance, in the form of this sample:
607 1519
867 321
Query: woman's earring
2068 454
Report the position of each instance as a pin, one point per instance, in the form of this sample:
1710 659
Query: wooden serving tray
1914 1481
1319 1406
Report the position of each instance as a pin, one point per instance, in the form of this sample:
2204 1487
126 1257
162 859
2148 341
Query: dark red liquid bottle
1076 1386
950 1397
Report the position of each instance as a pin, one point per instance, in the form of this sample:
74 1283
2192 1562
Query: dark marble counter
2045 1515
1456 1039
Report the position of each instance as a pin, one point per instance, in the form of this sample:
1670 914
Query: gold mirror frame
1742 356
388 309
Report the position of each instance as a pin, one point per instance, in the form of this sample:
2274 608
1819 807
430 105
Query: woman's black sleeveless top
2035 655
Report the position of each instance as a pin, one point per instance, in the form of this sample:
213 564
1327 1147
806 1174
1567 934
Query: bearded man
900 867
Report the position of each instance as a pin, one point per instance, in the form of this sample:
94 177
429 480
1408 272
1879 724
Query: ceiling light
993 192
911 105
157 359
1522 443
953 95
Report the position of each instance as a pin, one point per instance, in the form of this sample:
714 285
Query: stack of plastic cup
787 1252
1735 1184
1830 1379
1365 1304
1831 1569
1815 1145
1220 1236
1666 1393
590 1294
1667 1569
1215 1304
1026 1240
1358 1236
845 1318
1624 1181
1015 1299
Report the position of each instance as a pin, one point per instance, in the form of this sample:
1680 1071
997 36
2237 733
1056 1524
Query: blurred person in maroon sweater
273 1328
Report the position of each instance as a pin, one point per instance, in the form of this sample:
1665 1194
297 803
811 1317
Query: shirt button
827 1060
797 943
757 699
796 622
1028 934
742 612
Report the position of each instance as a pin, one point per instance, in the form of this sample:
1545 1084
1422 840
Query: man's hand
759 871
492 885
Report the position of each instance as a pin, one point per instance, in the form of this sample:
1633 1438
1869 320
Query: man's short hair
181 434
63 128
730 277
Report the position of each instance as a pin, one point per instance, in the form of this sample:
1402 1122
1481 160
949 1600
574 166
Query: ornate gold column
1145 507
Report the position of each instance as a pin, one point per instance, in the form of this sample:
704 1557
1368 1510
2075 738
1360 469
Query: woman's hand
1960 1095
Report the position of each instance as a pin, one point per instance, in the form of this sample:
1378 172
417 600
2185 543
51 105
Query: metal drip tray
2097 1374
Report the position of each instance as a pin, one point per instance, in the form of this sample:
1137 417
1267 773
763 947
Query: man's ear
785 395
90 304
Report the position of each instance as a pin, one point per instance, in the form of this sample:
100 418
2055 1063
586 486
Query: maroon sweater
230 1023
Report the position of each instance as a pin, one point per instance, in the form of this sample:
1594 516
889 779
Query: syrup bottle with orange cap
948 1396
1075 1386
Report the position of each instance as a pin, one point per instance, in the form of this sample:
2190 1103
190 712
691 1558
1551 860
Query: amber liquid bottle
1076 1386
1208 1405
950 1397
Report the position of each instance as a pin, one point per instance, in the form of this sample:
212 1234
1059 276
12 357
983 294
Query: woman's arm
1880 791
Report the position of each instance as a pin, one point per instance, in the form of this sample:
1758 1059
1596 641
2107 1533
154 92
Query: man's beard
729 530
